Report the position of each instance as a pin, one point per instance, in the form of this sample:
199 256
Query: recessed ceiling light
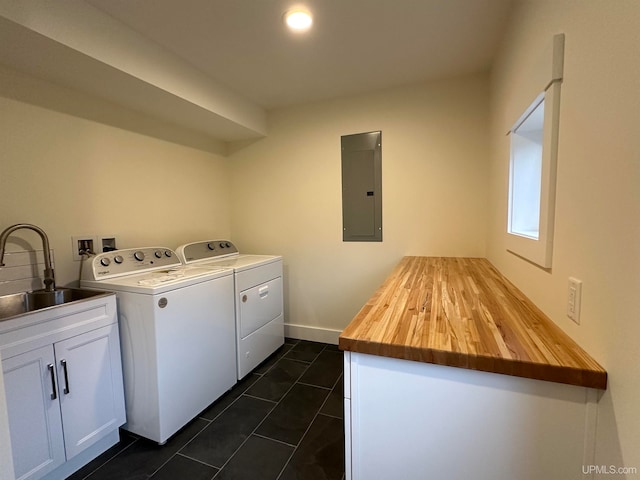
298 20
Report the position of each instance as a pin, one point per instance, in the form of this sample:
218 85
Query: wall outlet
574 299
83 244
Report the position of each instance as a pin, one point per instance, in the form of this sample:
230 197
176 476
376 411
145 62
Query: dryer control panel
206 250
129 261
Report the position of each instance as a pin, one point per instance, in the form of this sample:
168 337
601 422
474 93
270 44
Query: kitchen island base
416 421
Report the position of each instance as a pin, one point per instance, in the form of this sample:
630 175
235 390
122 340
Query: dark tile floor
283 421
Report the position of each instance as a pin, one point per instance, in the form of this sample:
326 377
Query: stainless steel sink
26 302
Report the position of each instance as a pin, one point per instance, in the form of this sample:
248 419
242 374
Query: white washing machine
177 333
258 297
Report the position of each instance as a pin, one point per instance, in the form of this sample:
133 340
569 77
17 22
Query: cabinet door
90 386
35 425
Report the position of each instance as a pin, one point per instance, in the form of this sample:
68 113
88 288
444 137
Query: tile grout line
305 363
243 393
315 386
209 422
330 416
196 460
265 417
206 426
314 419
111 458
274 440
178 451
248 436
227 407
259 398
198 417
286 464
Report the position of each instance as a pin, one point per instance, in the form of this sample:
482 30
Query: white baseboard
313 334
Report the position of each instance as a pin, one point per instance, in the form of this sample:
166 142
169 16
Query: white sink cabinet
63 385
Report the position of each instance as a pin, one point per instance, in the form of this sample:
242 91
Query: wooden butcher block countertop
462 312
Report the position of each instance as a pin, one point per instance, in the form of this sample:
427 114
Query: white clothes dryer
177 332
258 297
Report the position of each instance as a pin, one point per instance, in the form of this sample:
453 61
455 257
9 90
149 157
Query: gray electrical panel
362 187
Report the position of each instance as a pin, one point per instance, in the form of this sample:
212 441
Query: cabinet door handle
66 376
51 368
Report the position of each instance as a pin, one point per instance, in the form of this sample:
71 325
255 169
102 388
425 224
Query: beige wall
597 229
73 176
444 187
287 191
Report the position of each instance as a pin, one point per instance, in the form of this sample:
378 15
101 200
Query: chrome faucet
49 279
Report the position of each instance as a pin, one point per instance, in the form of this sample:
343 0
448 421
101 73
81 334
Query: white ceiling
355 46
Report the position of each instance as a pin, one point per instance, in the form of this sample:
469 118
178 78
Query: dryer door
259 305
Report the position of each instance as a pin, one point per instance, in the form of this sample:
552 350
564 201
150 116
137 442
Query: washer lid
159 281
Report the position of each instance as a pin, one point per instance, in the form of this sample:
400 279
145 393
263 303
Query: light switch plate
574 299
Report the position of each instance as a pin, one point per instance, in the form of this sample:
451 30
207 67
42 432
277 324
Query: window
526 173
532 168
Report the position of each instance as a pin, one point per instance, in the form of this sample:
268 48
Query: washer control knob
211 246
139 255
168 254
228 245
221 244
157 254
105 262
118 259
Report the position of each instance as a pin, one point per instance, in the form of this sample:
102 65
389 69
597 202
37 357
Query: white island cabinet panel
415 421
